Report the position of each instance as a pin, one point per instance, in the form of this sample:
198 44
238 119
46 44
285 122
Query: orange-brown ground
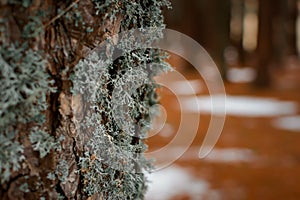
275 171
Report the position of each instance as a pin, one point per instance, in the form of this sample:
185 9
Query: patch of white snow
230 155
165 184
185 87
241 75
239 106
291 123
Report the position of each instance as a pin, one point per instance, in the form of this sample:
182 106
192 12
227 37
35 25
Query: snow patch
219 155
291 123
185 87
239 106
230 155
165 184
241 75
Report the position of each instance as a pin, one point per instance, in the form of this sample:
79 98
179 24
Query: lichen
24 187
110 158
11 154
43 142
61 172
23 87
113 161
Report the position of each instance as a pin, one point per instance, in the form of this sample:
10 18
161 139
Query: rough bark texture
72 42
65 32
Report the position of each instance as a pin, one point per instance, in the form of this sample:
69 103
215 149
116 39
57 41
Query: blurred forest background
256 45
263 34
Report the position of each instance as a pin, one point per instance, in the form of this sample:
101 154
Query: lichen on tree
55 143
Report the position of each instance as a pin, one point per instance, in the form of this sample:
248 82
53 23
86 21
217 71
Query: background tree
276 36
52 145
207 22
217 25
237 28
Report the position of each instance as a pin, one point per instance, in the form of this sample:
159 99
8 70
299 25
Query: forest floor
257 155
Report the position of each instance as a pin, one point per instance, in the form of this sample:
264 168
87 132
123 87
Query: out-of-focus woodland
255 44
237 33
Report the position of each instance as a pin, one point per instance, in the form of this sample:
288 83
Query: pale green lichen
61 172
43 142
24 3
33 28
113 162
24 187
23 87
11 154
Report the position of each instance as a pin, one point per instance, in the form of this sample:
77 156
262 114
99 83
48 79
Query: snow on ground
230 155
166 183
174 180
217 155
185 87
291 123
241 75
239 106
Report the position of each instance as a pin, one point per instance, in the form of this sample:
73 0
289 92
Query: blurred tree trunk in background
265 41
237 28
209 21
206 21
220 40
284 18
213 28
276 36
292 14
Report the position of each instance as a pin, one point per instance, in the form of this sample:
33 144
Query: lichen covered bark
52 146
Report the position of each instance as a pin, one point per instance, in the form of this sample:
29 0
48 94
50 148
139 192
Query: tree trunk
206 21
265 41
276 36
237 14
292 14
214 31
51 145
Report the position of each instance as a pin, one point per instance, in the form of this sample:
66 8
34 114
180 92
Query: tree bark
65 32
65 44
